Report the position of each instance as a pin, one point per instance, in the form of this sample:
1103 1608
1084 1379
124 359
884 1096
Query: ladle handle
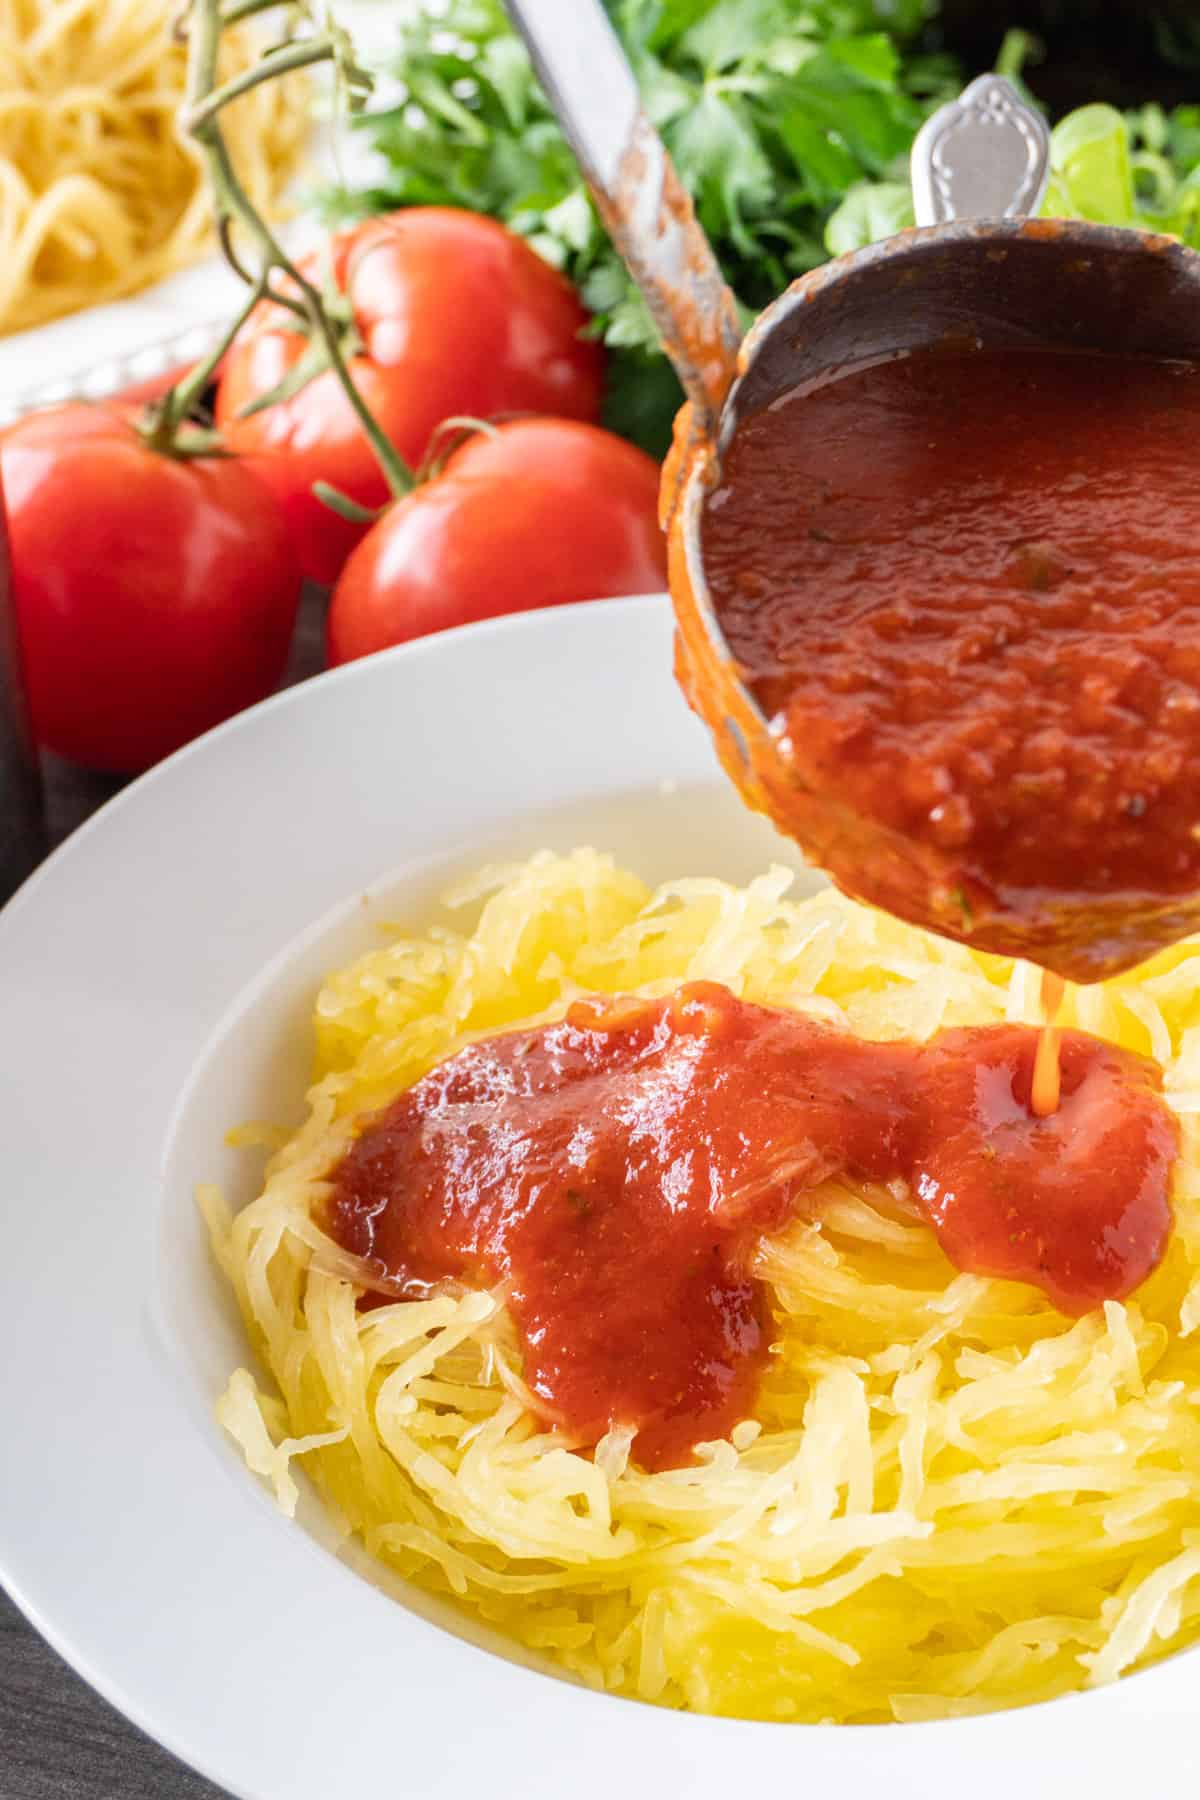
984 156
646 209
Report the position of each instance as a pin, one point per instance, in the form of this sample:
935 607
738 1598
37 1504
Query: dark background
58 1740
1122 51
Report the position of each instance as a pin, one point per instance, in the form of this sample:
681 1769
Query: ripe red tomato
154 596
535 513
453 314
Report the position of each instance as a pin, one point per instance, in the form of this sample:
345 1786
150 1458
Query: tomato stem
344 506
446 439
276 63
244 9
169 415
206 97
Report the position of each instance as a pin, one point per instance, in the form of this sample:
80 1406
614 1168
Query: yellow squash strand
950 1498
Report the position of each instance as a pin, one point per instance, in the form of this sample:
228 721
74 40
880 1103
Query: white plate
222 885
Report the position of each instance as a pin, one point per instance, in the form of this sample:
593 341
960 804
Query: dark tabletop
59 1740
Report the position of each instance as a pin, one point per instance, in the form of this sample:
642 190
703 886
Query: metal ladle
976 269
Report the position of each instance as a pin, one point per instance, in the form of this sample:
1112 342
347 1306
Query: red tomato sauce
614 1173
964 587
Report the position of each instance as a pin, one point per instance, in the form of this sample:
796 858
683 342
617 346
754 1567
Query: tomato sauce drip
963 586
1046 1072
615 1171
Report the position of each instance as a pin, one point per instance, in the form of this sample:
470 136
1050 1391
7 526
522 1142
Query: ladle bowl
977 272
997 284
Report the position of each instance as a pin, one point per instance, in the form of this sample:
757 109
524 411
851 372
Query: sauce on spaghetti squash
615 1170
944 1495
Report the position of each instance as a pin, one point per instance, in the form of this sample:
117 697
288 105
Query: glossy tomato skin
455 314
154 596
538 513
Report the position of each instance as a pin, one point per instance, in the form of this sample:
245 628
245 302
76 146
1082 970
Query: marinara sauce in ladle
932 531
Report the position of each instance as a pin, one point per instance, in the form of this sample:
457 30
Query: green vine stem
276 63
244 9
170 416
203 23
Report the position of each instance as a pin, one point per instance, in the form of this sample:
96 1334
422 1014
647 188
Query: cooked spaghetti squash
950 1498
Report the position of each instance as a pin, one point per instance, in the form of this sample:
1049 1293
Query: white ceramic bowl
156 977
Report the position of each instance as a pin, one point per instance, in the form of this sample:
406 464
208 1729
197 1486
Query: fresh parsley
772 110
790 121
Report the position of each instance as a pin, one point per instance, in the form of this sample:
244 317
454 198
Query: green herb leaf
791 122
720 160
1092 177
871 210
